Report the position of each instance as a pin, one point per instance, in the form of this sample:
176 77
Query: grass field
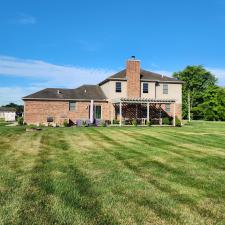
113 175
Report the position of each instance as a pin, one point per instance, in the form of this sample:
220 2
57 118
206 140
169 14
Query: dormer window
145 87
118 87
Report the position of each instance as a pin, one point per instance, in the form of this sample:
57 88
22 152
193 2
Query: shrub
134 122
177 122
165 121
116 121
65 123
102 124
149 123
20 121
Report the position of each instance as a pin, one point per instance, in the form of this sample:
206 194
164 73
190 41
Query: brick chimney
133 71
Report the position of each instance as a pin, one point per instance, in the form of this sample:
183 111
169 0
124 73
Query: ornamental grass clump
65 123
84 124
20 121
177 122
134 123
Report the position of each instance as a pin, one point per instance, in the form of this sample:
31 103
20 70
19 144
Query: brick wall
133 79
36 112
178 110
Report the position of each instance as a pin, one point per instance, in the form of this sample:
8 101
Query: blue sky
67 43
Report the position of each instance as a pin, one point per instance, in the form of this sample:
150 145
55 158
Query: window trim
118 90
70 108
165 90
144 91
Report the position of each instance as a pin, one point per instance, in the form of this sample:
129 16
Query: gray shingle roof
145 75
84 92
7 109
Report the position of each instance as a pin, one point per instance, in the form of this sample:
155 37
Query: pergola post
160 115
120 113
174 114
148 111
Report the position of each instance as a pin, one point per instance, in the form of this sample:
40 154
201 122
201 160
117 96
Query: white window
168 108
145 87
72 106
165 89
118 87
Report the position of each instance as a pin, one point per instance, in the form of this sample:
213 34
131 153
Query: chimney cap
133 58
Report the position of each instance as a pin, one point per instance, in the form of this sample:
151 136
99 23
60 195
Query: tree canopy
213 105
197 82
207 100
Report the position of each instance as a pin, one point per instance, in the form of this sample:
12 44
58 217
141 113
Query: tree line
207 99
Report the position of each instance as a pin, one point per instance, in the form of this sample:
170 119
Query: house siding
151 90
109 89
174 92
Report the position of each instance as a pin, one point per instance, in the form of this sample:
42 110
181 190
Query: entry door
97 111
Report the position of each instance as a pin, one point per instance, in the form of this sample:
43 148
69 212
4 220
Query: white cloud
53 75
25 19
46 74
219 73
13 94
164 72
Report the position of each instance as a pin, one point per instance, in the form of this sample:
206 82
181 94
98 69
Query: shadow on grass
217 162
84 199
178 175
36 207
72 187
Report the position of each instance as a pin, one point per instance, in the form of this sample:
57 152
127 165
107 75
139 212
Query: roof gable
145 76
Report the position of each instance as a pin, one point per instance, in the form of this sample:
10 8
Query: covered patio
141 109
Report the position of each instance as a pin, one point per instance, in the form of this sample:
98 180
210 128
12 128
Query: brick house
130 94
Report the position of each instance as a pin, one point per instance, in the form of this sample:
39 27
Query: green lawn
113 175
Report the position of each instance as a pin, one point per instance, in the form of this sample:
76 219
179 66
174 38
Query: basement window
72 106
118 87
50 119
145 87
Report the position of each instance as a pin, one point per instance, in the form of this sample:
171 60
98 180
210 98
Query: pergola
141 101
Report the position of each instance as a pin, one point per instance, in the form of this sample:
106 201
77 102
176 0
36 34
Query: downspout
156 85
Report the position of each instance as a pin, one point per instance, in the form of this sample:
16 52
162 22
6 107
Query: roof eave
69 99
112 79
